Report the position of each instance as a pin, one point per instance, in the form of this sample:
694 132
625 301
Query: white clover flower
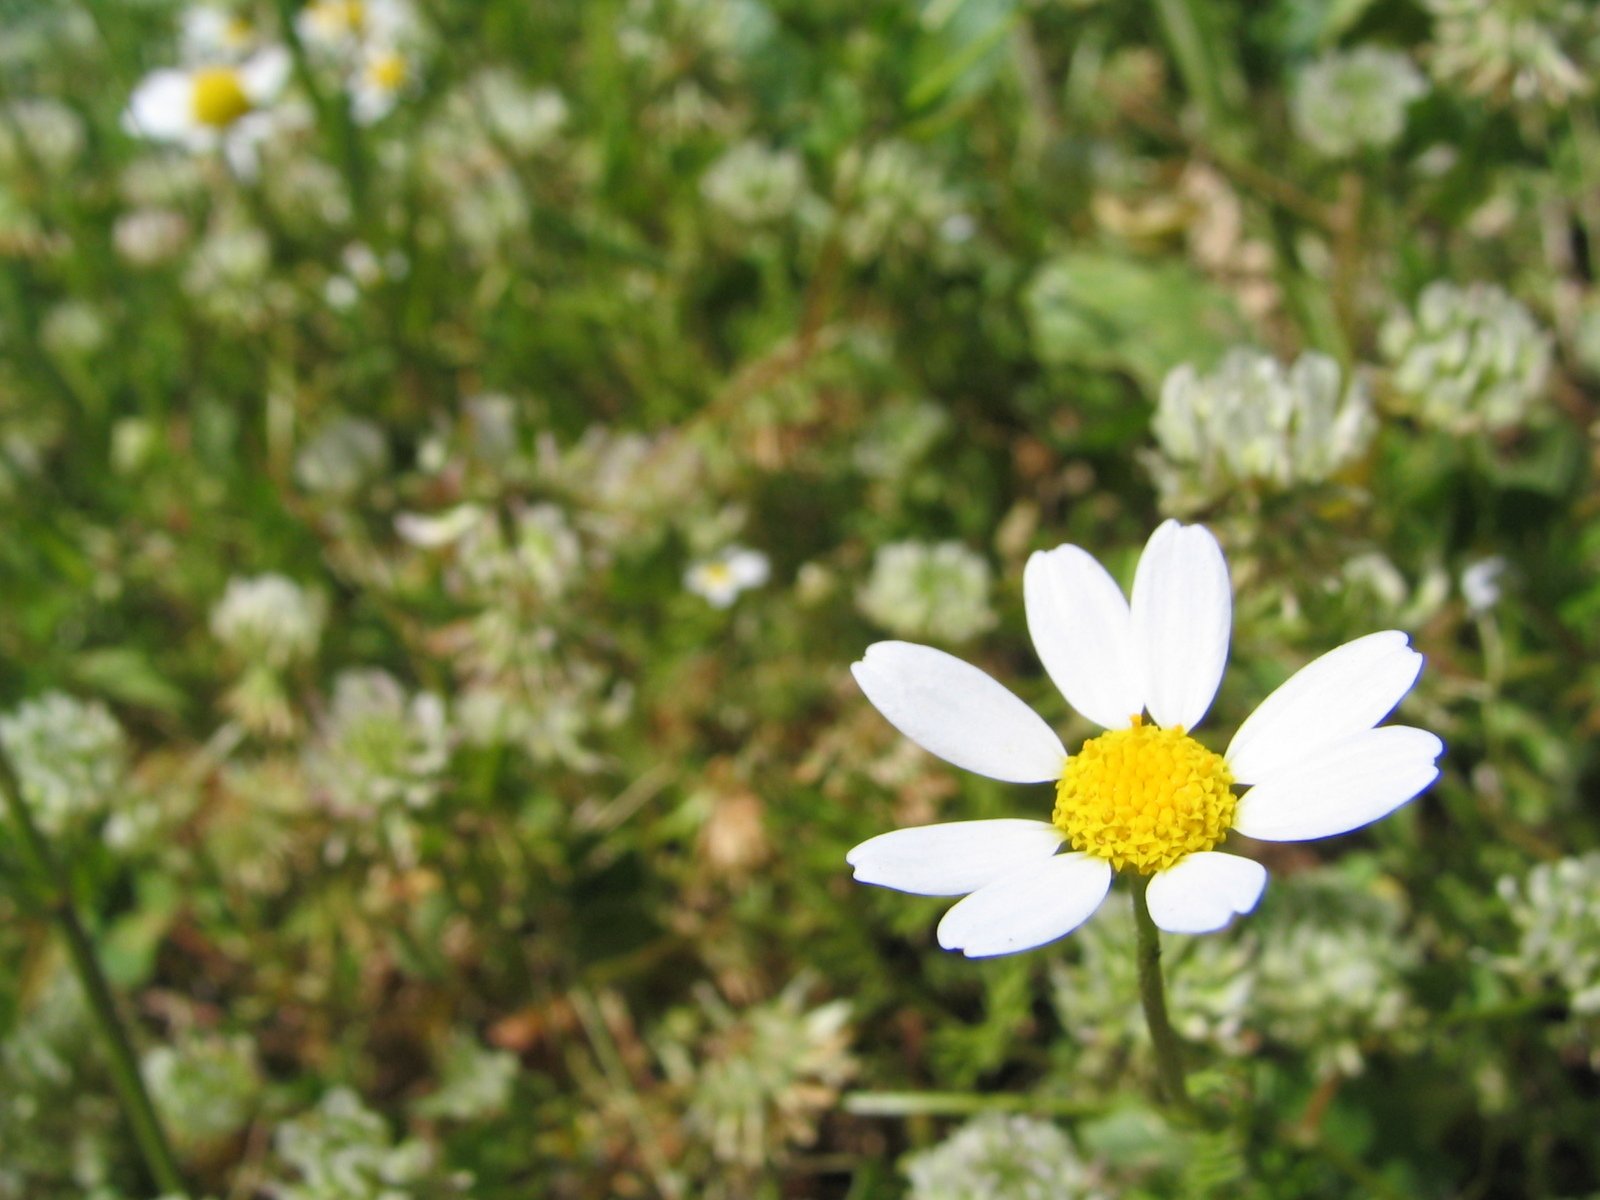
205 1086
379 746
893 199
1253 422
148 236
1524 52
1470 359
1556 908
752 184
50 132
345 455
204 108
70 756
474 1080
759 1079
1332 967
719 579
525 119
1009 1157
918 589
1349 100
1144 796
343 1150
268 620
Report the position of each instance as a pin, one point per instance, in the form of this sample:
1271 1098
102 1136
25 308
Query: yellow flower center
1144 797
218 97
717 574
387 71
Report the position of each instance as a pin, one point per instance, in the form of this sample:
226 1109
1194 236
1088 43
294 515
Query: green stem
1153 995
136 1105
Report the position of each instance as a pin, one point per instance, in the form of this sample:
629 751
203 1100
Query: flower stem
135 1100
1153 995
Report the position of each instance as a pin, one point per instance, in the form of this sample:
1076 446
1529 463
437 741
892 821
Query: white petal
1079 621
1029 908
1182 616
264 75
952 709
1344 692
954 858
1341 787
162 106
750 567
1201 892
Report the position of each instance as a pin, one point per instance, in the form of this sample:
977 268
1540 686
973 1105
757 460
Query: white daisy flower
377 83
209 107
1145 796
209 33
720 578
341 26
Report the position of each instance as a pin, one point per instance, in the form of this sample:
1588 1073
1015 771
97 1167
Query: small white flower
440 529
345 26
380 78
1145 795
720 578
1480 583
205 108
209 33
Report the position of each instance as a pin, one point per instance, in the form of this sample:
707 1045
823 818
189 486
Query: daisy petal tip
1205 892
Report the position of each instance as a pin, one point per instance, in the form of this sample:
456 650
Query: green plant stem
1153 995
135 1100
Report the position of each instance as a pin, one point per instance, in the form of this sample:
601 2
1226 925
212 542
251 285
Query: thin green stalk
135 1100
1153 995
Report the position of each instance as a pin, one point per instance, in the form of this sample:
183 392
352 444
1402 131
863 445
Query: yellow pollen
1144 797
218 98
387 71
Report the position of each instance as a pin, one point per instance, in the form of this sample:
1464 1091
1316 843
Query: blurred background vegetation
444 491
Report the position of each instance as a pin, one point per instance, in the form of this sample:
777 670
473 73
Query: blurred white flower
752 184
380 746
148 236
345 27
383 74
342 1150
1251 422
439 529
938 591
49 131
891 198
268 620
720 578
1480 583
204 1085
1352 99
998 1156
1556 908
1470 359
69 754
204 108
1521 52
213 33
525 119
342 457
